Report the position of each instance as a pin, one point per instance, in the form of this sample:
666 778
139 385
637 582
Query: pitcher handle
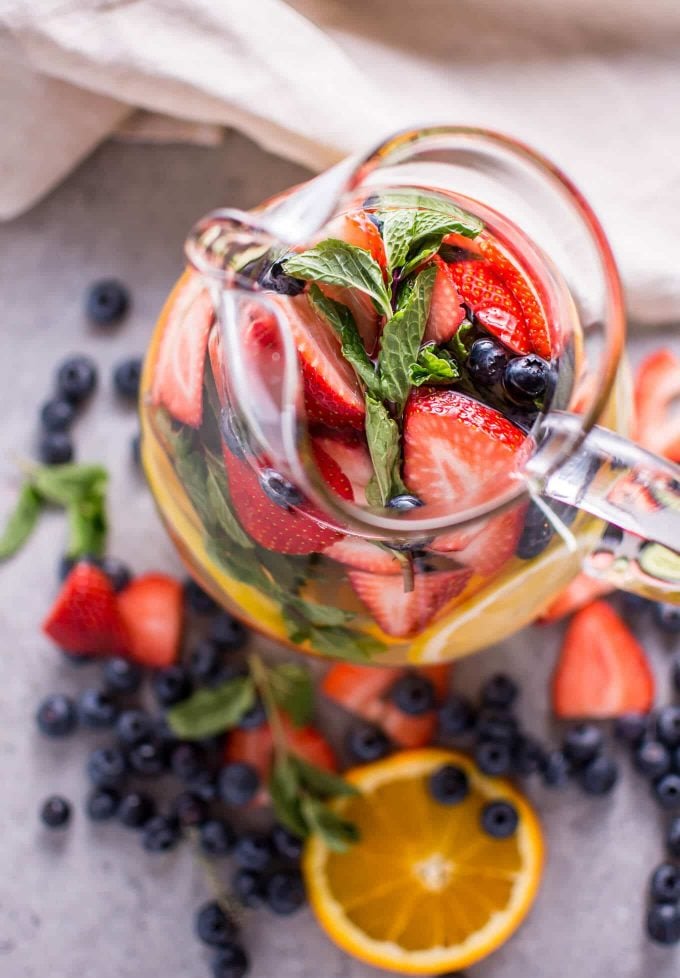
635 492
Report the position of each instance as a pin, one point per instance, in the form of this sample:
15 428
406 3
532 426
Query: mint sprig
339 263
413 236
383 437
211 711
402 337
342 322
433 367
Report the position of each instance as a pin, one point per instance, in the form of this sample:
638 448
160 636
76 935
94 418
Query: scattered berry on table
666 791
496 725
248 887
77 660
55 812
599 775
126 377
136 449
121 675
285 892
493 757
675 673
57 716
117 572
171 685
213 926
228 633
366 742
135 809
663 923
160 834
664 884
556 769
582 742
147 758
102 804
231 962
667 617
76 379
134 725
189 809
205 662
286 843
652 758
186 760
106 302
107 767
449 784
253 851
500 691
404 503
216 837
254 717
527 755
631 728
238 783
668 725
455 717
204 785
413 694
198 600
55 448
673 837
487 362
527 378
97 709
57 414
499 819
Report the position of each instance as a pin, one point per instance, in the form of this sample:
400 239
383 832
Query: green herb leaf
402 337
338 263
460 341
284 791
87 526
337 833
21 522
467 225
220 508
64 485
293 690
342 321
412 236
318 614
344 643
242 565
382 435
433 367
324 784
210 711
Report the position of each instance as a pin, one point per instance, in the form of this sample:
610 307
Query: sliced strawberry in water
401 613
359 230
458 452
446 312
582 591
363 555
492 302
350 451
152 609
487 550
366 316
217 365
657 386
178 376
517 281
85 619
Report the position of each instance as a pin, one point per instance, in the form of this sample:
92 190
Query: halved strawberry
178 375
446 312
486 550
401 613
152 609
359 230
657 386
408 731
359 689
457 450
349 450
602 670
363 555
85 619
494 305
256 747
582 591
310 744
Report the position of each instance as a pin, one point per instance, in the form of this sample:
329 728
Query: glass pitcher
269 476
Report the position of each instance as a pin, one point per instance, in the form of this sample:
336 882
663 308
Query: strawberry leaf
339 263
341 320
210 711
402 337
21 522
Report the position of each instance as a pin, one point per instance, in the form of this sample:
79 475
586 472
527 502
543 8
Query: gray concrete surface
88 903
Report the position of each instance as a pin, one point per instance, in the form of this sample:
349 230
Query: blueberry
668 725
106 301
136 450
663 923
198 600
527 755
126 378
526 378
121 675
285 892
102 804
582 743
248 887
186 760
634 605
233 434
213 926
76 379
279 490
275 278
205 663
673 837
189 809
286 843
499 819
253 851
55 812
599 775
664 884
161 834
147 758
366 742
227 632
667 617
486 362
496 725
675 673
493 757
107 767
500 692
97 709
171 685
231 961
666 790
455 717
133 726
55 448
203 784
631 728
135 809
64 568
238 783
254 717
117 572
56 716
534 538
413 694
404 503
57 414
556 769
449 784
76 659
216 837
652 758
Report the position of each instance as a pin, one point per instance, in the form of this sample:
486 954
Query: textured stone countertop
87 903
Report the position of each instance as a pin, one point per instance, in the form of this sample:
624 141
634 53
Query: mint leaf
21 522
324 784
433 367
412 236
338 263
468 225
318 614
284 788
402 337
64 485
460 341
220 509
382 435
210 711
87 526
342 321
293 690
336 832
344 643
242 565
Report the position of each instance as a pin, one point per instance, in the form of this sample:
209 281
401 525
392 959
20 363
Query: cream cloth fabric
596 86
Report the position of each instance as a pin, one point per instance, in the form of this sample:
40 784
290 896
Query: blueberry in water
102 804
673 837
198 600
228 633
231 961
253 851
366 742
117 572
135 809
107 767
186 760
652 758
238 783
147 758
527 378
76 379
216 837
556 769
171 685
667 617
404 503
664 884
275 278
449 784
455 717
496 725
161 834
668 725
189 809
500 691
106 301
97 709
582 743
55 812
55 448
286 843
413 694
527 755
57 414
493 757
536 534
663 923
675 673
631 728
666 791
254 717
279 490
599 775
56 716
121 675
285 892
126 378
499 819
213 926
486 362
248 887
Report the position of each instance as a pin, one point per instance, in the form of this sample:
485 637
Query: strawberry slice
457 450
350 451
494 305
582 591
359 230
252 747
404 614
360 689
602 669
657 385
152 609
85 619
178 376
523 290
408 731
446 312
487 550
310 744
363 555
